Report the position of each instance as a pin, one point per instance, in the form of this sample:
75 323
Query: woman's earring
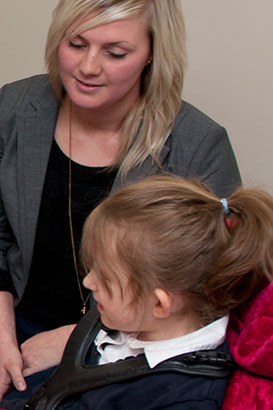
148 62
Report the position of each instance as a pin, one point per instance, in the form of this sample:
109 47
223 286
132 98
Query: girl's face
115 301
102 67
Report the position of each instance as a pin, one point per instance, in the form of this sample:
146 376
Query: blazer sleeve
215 164
200 149
5 234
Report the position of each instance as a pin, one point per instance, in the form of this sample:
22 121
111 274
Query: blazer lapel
35 135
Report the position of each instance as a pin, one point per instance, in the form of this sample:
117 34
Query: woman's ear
162 307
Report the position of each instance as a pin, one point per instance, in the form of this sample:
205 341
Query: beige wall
230 76
230 72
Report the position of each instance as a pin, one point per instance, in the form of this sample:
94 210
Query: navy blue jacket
157 391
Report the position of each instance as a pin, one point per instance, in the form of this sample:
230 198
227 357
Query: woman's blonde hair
149 122
173 233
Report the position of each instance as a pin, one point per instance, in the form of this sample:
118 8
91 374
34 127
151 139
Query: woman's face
101 68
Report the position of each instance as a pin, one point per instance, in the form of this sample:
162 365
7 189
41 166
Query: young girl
167 261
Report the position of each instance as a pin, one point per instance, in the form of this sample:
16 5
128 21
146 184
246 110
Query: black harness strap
74 376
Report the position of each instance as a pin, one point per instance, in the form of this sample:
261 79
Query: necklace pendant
83 309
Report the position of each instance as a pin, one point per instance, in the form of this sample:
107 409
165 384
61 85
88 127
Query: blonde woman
109 112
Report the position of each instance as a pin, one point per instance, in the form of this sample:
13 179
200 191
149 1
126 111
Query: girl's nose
89 282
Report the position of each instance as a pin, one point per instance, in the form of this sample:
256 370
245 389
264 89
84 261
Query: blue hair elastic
224 202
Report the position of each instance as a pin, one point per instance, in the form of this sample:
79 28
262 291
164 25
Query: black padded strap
75 376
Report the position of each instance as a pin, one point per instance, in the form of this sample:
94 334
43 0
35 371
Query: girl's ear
162 307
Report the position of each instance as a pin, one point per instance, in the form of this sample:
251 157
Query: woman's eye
117 55
75 45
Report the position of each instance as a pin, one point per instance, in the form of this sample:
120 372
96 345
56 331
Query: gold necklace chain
84 301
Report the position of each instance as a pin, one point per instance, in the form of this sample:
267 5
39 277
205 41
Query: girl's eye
75 45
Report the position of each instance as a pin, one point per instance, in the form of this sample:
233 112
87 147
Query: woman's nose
91 64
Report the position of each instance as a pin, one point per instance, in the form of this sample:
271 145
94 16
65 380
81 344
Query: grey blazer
197 147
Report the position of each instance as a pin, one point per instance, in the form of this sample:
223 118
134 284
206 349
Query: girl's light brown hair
173 233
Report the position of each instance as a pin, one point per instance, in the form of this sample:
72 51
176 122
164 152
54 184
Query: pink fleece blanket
250 336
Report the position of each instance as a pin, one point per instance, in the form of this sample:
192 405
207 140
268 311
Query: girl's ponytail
245 261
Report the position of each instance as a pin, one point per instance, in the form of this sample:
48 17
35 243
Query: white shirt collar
122 345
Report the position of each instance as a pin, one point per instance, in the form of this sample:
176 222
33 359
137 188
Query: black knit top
52 296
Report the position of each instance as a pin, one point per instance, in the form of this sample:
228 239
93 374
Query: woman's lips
82 85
